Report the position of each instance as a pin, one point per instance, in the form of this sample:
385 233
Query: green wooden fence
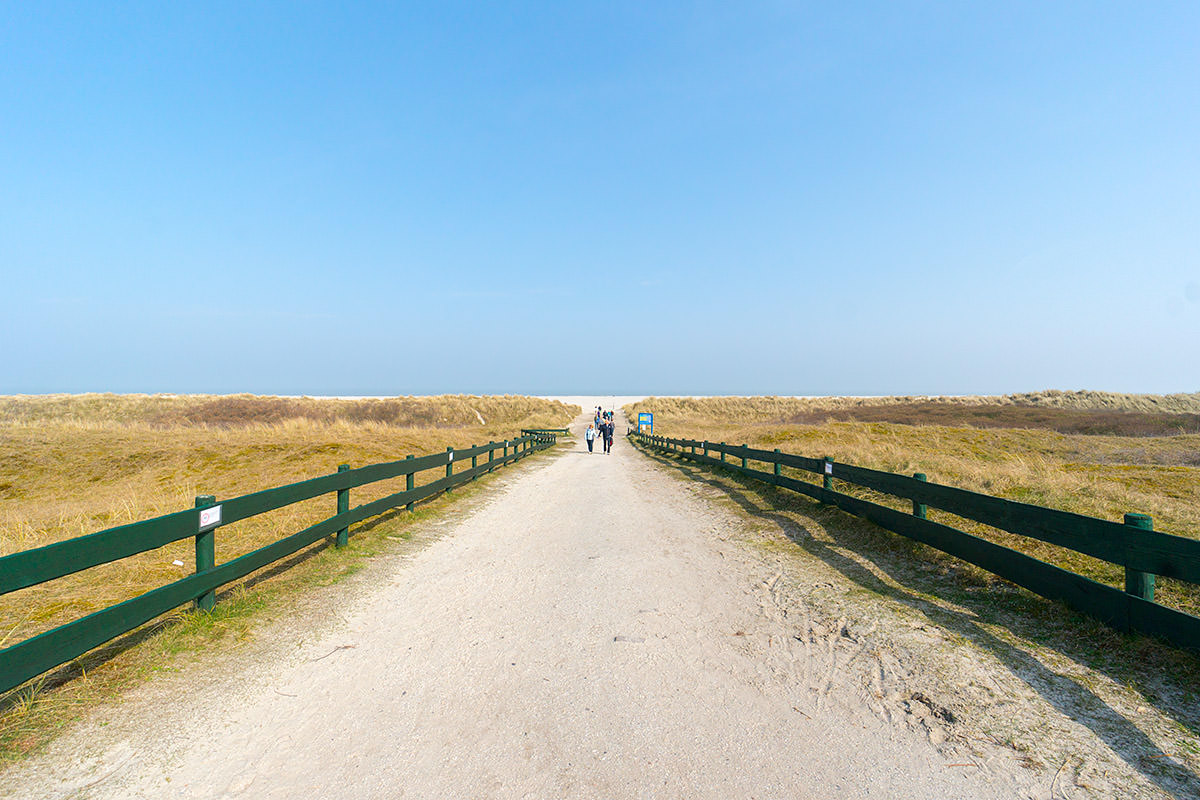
1143 552
33 656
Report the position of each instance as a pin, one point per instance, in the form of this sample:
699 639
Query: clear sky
666 198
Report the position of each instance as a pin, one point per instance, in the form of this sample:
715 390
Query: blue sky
619 198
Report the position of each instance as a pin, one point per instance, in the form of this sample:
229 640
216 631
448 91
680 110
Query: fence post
1138 583
449 467
722 452
827 481
491 455
474 463
343 505
410 481
744 446
920 510
777 464
506 449
706 448
206 554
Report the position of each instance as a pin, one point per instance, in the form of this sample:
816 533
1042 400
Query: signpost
645 422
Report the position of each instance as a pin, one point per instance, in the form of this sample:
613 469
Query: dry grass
1099 475
31 716
794 409
71 465
1062 420
245 410
75 465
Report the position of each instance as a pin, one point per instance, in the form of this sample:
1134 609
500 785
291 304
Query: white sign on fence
210 517
828 467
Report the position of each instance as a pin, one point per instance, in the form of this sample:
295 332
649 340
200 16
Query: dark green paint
920 509
343 505
409 481
206 552
29 658
31 567
1133 543
1138 583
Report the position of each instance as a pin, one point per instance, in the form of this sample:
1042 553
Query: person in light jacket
590 436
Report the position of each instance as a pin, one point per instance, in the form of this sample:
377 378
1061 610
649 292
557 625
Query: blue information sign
645 421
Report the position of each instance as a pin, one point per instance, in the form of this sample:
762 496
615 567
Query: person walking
607 431
590 435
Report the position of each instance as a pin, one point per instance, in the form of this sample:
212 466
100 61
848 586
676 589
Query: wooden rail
33 656
1143 552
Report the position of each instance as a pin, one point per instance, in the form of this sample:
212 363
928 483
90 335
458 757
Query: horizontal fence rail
1143 552
38 654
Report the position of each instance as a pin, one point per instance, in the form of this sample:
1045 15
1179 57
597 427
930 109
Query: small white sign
450 455
828 467
210 517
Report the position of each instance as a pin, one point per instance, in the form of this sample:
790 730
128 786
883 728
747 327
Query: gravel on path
583 633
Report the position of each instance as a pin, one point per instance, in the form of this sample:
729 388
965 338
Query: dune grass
1101 475
780 410
246 410
75 465
72 465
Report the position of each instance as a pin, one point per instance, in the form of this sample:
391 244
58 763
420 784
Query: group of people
602 428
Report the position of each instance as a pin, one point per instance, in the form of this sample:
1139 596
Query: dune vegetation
76 464
1088 452
246 410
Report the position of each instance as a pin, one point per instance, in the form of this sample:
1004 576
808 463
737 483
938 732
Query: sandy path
584 633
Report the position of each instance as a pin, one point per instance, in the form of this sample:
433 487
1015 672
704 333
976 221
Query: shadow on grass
94 659
1019 611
